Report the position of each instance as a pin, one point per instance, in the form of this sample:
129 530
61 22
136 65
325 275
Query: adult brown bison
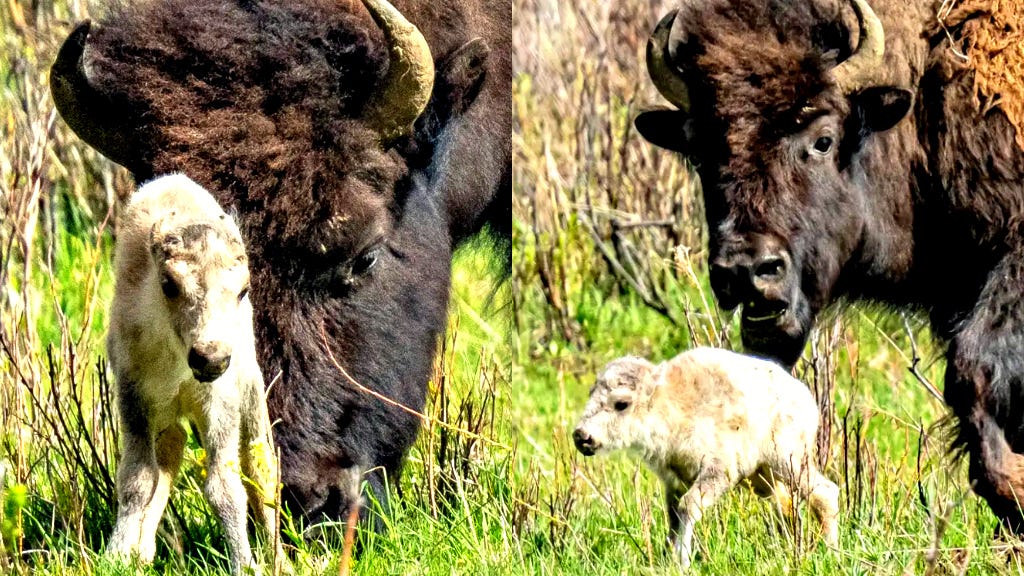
843 156
358 146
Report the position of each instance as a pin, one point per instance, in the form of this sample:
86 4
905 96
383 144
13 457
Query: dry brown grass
596 202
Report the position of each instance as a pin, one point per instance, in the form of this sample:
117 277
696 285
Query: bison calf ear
668 129
881 108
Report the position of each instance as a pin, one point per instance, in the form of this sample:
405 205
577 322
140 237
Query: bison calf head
201 270
776 109
612 419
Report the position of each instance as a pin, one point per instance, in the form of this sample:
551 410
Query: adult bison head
298 116
775 106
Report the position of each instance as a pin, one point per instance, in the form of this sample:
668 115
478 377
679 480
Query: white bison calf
704 421
181 347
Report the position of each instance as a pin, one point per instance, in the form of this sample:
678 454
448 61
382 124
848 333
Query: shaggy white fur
181 347
705 421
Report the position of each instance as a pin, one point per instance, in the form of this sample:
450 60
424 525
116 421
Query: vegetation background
608 259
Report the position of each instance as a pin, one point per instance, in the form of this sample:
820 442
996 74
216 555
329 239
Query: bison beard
846 158
296 115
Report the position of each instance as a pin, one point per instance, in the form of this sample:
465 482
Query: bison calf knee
704 421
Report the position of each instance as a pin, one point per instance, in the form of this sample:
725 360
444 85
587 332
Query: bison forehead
797 44
286 188
203 246
262 104
179 238
181 56
628 371
333 230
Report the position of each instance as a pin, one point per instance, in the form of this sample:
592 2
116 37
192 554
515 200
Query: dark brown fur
921 211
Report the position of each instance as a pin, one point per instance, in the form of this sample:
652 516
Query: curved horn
859 71
410 78
665 78
87 112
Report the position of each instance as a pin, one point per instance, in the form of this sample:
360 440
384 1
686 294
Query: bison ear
882 107
666 128
462 72
459 78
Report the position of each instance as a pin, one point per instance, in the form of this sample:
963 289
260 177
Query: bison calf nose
207 368
585 443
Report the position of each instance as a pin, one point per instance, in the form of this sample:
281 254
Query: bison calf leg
782 502
800 475
768 484
260 467
705 491
823 499
144 478
224 489
673 498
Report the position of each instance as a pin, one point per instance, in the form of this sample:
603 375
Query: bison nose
770 268
743 279
726 282
585 443
207 367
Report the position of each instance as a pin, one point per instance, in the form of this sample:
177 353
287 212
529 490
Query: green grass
606 229
53 529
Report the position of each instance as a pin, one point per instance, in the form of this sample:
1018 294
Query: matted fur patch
993 41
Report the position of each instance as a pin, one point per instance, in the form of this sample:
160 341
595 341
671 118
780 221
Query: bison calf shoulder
181 347
705 421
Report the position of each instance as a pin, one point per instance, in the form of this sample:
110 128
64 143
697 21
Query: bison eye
169 287
621 405
243 293
365 262
823 145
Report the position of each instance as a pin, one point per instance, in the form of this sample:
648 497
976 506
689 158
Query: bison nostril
197 361
722 280
770 267
584 442
221 364
207 368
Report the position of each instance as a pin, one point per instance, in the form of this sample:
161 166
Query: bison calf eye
169 287
621 405
243 293
823 145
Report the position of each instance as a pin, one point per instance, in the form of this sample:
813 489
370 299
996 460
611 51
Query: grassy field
608 260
